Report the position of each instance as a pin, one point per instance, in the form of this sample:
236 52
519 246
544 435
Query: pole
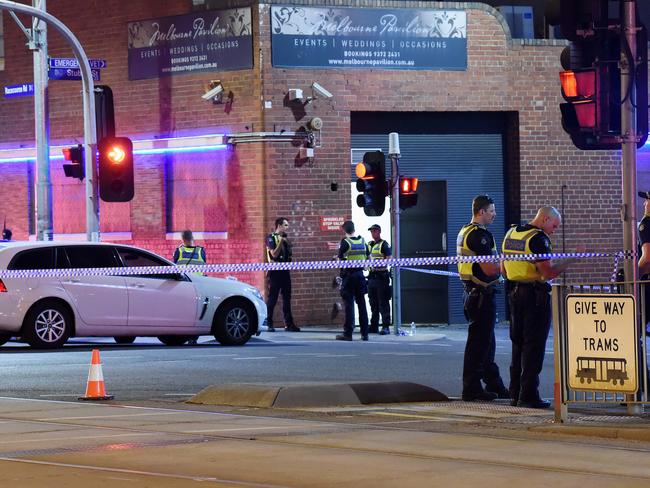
394 154
88 87
629 141
44 223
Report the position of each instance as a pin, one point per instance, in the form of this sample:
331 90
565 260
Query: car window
132 258
40 258
91 256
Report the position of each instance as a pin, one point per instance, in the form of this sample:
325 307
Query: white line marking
142 473
108 417
254 358
81 437
179 394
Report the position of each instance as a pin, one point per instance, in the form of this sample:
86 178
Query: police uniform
353 285
189 255
379 287
279 282
644 238
530 308
480 310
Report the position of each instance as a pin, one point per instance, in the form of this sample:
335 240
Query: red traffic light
116 175
408 185
75 168
116 154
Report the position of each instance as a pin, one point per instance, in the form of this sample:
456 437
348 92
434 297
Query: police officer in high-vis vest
353 286
479 281
279 250
379 283
188 254
530 303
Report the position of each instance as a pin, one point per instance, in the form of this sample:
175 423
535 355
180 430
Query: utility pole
38 45
394 153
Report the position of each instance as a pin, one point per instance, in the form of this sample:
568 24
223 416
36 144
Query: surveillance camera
295 94
212 93
320 91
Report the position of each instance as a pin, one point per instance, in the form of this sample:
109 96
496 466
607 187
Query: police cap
644 194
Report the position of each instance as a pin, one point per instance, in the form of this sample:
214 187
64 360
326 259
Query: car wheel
124 339
47 325
4 338
234 323
173 340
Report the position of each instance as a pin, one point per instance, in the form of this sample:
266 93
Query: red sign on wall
331 223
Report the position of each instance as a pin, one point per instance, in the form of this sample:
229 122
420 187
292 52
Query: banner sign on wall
216 40
323 37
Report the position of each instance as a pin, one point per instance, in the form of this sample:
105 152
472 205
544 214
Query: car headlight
255 292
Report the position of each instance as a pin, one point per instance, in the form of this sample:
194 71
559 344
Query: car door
99 300
158 300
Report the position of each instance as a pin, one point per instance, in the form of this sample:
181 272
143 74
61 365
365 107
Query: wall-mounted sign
331 223
215 40
70 74
73 63
325 37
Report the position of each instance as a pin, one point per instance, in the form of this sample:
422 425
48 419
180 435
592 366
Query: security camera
295 94
320 91
213 92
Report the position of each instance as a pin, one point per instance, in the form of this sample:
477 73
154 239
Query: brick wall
264 181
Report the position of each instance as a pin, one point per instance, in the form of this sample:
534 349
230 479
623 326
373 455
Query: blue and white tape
299 265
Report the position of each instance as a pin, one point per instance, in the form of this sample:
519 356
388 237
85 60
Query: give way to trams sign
602 343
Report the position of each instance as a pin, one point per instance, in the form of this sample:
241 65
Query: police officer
379 283
279 250
187 253
479 281
644 245
353 285
530 303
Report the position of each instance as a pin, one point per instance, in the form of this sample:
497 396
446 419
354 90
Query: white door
99 300
158 300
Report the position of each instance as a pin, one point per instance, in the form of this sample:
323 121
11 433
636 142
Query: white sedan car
45 312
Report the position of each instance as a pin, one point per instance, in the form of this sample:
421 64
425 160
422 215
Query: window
132 258
41 258
91 257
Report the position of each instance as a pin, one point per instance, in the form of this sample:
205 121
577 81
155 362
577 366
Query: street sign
70 74
22 90
602 343
73 63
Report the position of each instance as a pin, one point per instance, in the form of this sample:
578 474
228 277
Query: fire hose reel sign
602 343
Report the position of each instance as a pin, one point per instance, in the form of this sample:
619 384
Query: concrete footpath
67 444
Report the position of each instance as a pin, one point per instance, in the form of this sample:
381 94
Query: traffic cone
95 389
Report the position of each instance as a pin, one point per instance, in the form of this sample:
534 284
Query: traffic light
76 166
116 169
371 182
591 82
408 196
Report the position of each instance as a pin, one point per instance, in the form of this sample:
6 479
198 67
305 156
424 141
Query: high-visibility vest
375 254
518 242
276 241
466 270
357 249
189 255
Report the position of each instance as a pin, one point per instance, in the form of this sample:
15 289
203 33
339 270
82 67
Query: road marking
107 416
255 358
141 473
401 353
81 437
179 394
426 417
248 428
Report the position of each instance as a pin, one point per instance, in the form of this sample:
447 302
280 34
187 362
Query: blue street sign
72 63
23 90
70 74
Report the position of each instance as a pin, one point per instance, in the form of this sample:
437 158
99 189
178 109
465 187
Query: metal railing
564 395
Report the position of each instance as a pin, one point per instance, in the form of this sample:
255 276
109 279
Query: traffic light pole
394 154
38 44
628 145
88 86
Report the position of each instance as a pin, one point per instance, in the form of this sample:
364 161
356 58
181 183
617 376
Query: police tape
438 272
296 265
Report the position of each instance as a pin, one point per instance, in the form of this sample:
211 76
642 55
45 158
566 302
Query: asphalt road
147 370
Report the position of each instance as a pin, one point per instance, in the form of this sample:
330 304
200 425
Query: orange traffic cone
95 389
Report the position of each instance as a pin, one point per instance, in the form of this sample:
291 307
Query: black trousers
379 296
354 289
478 364
279 282
530 323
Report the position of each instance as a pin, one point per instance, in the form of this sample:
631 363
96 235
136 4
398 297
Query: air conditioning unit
520 20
